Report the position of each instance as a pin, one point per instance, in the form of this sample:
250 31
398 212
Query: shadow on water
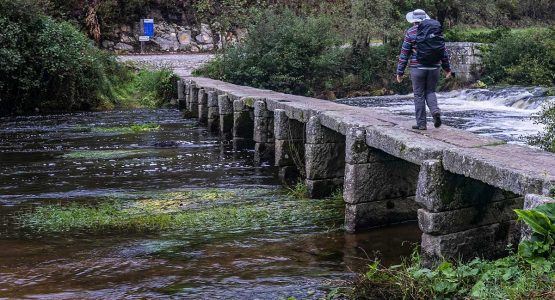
60 160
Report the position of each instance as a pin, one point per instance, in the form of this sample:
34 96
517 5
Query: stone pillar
379 188
243 124
213 112
225 110
202 106
462 217
181 94
263 135
324 159
193 104
289 147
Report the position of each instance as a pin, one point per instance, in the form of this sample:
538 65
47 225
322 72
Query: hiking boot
437 120
419 127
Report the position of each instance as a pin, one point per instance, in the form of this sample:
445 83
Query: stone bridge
461 187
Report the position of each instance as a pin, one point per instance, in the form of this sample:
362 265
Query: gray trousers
424 84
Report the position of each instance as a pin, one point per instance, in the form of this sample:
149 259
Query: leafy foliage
283 52
542 222
527 274
525 58
48 65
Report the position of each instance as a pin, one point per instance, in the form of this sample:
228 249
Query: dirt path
183 64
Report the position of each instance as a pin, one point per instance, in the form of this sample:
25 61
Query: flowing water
504 113
80 158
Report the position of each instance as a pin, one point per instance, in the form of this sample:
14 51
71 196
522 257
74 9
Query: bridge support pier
202 106
289 147
181 94
324 158
193 101
225 110
213 112
243 124
379 188
462 217
263 133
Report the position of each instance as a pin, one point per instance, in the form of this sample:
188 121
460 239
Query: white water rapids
504 113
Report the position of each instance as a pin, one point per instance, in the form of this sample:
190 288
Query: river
80 158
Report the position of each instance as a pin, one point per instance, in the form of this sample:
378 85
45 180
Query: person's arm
404 56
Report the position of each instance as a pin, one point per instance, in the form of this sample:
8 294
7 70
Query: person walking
424 48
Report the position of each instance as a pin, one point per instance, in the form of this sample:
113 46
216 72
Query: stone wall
170 37
466 60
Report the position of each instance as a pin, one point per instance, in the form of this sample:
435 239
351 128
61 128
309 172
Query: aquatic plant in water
103 154
135 128
233 211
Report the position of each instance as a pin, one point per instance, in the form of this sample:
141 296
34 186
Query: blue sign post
147 31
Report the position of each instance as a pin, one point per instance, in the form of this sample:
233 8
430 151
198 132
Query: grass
511 277
102 154
298 191
134 128
146 88
200 211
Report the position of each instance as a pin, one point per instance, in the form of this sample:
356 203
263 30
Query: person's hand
399 78
448 74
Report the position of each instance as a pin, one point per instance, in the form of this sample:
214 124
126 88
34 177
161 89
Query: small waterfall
528 98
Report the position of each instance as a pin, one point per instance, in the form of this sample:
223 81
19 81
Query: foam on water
505 113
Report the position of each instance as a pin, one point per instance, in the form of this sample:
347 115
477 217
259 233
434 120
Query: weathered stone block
379 181
318 134
193 105
225 106
180 90
467 218
483 165
404 144
379 213
285 128
261 132
322 188
357 151
325 161
240 106
488 241
439 190
260 109
212 99
202 106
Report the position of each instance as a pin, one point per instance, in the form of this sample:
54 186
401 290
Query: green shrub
524 58
283 52
481 35
546 138
48 65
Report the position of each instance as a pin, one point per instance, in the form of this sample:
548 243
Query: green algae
135 128
103 154
194 212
